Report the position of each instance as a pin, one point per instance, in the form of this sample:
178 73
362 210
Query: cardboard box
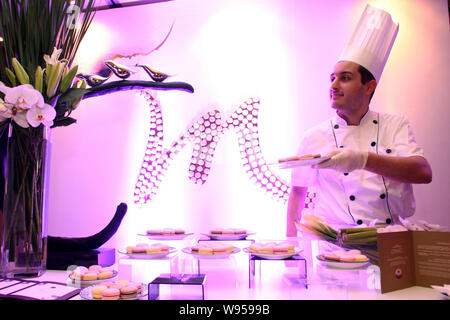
413 258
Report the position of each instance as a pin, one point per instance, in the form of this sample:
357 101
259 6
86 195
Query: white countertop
228 279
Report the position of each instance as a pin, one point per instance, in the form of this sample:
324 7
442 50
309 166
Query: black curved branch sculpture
64 104
125 85
63 244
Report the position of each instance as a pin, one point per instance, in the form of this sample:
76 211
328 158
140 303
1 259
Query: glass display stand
230 258
242 243
144 270
301 262
176 279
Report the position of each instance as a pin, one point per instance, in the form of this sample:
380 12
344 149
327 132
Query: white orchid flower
54 58
44 115
23 97
19 115
3 87
20 118
3 111
3 107
25 105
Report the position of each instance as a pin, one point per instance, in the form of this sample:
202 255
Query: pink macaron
111 294
128 292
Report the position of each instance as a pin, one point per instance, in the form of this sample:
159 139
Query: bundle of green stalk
358 235
316 227
363 239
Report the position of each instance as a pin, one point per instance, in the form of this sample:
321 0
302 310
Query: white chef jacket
359 196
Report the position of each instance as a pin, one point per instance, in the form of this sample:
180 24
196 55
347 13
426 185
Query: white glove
344 160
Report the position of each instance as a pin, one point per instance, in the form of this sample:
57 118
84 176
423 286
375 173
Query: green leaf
39 79
21 74
67 79
11 77
63 122
72 94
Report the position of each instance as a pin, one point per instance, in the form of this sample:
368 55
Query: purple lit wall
280 51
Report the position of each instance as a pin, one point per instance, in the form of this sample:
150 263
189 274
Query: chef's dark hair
366 76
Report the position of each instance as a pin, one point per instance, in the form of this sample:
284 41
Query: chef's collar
367 116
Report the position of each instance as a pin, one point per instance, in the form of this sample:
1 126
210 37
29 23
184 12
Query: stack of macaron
120 289
227 231
344 256
165 232
94 272
145 248
209 248
272 248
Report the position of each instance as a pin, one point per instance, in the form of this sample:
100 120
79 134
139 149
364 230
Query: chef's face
347 92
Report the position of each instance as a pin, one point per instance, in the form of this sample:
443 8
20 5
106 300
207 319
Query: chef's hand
344 160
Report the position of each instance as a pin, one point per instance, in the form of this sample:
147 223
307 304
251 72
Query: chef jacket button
388 221
373 144
388 151
359 221
341 146
352 197
375 121
336 126
382 196
345 173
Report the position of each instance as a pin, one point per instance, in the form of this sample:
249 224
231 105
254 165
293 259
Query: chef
374 158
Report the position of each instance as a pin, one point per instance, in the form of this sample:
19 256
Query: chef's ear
370 87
